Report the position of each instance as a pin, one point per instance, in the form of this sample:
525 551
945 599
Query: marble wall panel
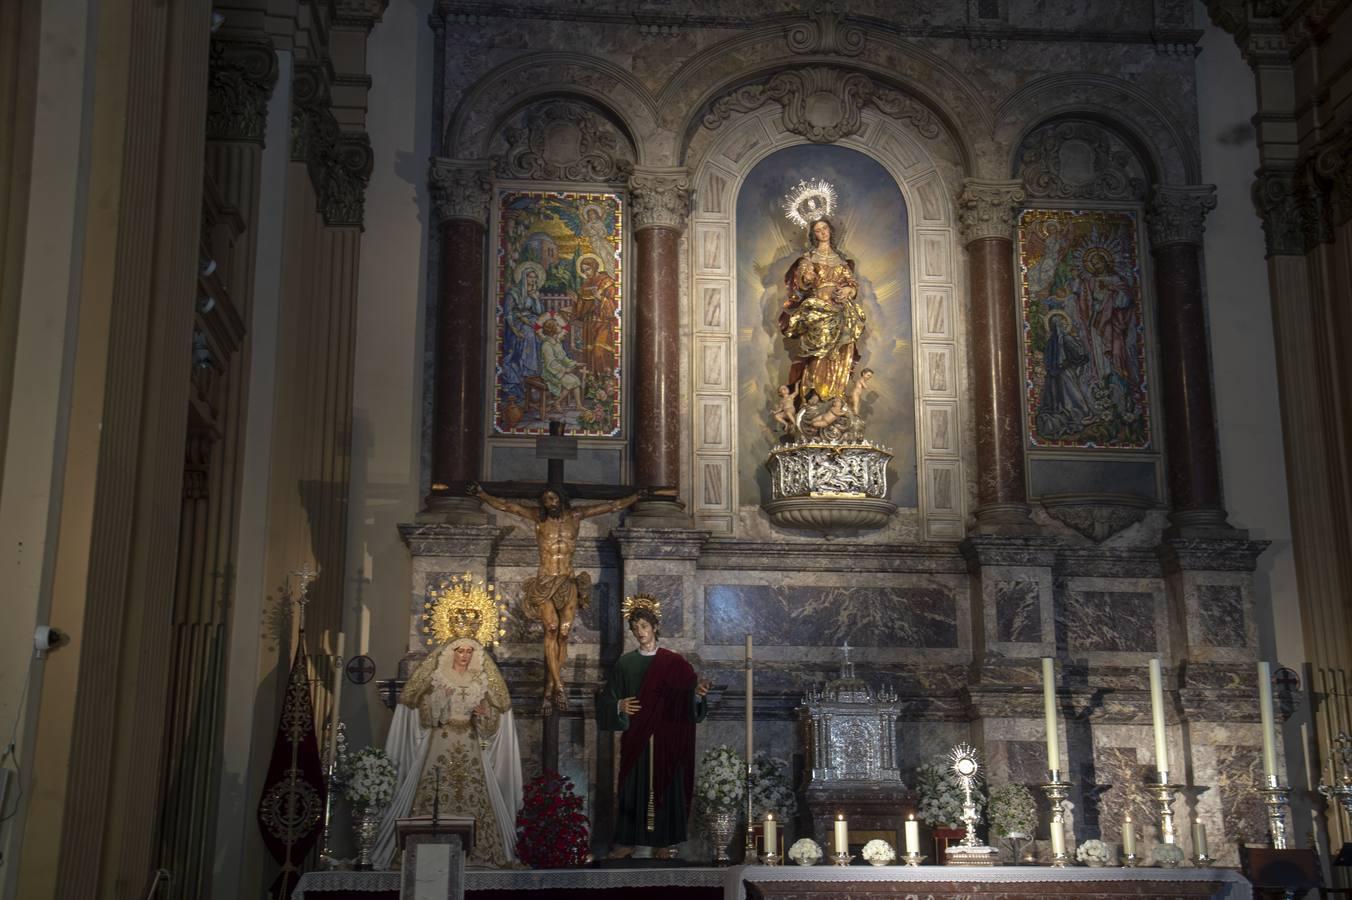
1114 784
670 589
913 617
1239 771
1106 620
1221 607
1018 611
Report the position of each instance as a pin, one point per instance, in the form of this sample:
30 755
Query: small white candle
1199 838
1265 717
842 834
1058 839
1157 716
771 833
912 835
1128 836
748 700
1049 712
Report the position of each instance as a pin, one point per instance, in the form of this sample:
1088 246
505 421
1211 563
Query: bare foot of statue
621 853
663 853
560 699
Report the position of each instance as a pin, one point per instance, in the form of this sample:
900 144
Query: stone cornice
358 13
659 198
461 189
988 209
1177 213
241 77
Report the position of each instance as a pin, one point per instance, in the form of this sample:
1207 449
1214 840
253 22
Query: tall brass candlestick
750 849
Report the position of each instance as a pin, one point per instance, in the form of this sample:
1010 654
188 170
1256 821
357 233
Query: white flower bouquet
1013 812
941 796
805 852
879 852
368 778
771 788
1093 852
721 785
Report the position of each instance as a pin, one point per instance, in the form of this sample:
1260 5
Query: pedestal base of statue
963 855
829 486
434 856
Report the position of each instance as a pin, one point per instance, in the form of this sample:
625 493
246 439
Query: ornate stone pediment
1097 518
559 140
1080 161
823 104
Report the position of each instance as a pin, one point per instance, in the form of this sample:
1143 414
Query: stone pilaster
660 203
461 193
987 211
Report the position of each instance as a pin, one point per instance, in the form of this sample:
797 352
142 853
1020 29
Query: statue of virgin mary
453 740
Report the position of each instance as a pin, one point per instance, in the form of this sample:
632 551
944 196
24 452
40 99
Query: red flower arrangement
551 831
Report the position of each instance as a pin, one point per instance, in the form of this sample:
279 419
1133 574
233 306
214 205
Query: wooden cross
557 449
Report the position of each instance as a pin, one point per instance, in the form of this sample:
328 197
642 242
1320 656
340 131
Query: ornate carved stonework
1177 213
988 208
562 140
823 104
359 13
339 162
826 32
1332 165
345 174
240 81
1293 218
461 189
313 127
659 198
1079 161
1097 518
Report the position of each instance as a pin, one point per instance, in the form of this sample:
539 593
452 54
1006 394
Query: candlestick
337 699
1265 719
1057 791
913 859
1340 773
912 835
1163 792
842 835
1199 849
1129 857
1049 713
1157 717
749 706
1276 797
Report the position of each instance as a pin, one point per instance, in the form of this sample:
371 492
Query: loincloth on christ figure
560 591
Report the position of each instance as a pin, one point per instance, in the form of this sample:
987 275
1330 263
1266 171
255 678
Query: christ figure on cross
556 591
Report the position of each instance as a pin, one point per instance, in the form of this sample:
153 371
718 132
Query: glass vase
721 827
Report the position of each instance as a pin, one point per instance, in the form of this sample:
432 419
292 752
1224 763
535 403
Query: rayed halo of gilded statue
559 313
1086 380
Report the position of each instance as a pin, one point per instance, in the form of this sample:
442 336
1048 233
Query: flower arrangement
1093 852
879 852
941 796
805 852
721 785
771 790
368 778
551 830
1013 811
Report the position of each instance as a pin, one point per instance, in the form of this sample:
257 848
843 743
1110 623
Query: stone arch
1113 165
937 281
512 85
561 136
1113 103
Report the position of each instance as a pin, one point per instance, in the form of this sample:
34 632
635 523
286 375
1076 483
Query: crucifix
552 597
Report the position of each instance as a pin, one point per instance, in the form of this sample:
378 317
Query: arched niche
925 171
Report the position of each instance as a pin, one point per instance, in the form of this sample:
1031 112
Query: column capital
241 76
1177 212
988 209
345 172
660 198
1293 215
461 188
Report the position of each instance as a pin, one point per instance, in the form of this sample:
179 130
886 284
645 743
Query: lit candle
1157 716
771 833
337 699
1199 838
1049 712
1265 717
912 835
1128 836
748 700
842 834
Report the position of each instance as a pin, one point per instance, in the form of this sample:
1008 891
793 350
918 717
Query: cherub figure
835 411
861 384
784 409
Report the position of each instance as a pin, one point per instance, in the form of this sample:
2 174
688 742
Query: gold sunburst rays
460 606
884 291
645 602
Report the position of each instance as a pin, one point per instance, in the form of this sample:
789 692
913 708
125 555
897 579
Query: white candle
337 699
1049 712
842 834
748 700
1157 716
1128 836
1199 839
1058 839
771 833
912 835
1265 717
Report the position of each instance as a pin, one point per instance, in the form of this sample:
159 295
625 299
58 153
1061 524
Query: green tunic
672 808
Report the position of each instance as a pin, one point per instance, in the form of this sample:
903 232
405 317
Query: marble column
986 214
461 190
1175 221
660 205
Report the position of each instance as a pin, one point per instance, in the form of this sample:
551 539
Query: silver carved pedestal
829 485
1276 797
1341 762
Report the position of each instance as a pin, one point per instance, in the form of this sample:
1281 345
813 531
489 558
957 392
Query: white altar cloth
1237 888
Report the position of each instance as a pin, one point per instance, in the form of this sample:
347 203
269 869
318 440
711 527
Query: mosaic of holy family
559 312
1084 330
